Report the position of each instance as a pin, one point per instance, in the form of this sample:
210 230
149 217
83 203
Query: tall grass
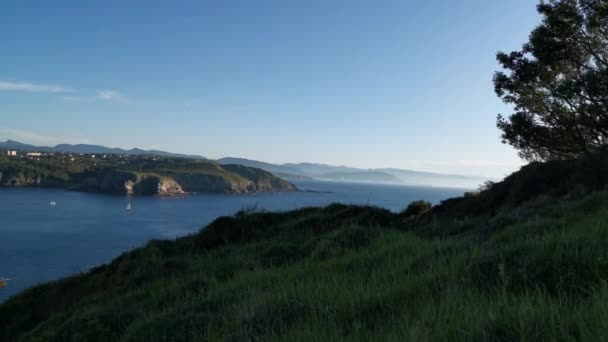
537 272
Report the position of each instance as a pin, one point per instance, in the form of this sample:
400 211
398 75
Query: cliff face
117 182
246 183
196 182
157 186
260 180
179 184
130 183
12 177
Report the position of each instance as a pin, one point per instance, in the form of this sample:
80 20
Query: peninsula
145 175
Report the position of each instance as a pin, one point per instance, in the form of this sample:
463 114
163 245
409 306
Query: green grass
535 272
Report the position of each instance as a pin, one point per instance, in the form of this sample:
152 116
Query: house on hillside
11 153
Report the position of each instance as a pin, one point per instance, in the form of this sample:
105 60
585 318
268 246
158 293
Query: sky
369 84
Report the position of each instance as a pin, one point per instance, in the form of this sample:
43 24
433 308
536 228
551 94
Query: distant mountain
370 176
301 171
291 176
11 144
320 169
274 168
84 148
436 179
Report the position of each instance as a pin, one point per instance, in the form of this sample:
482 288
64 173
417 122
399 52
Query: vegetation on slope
531 270
139 176
50 172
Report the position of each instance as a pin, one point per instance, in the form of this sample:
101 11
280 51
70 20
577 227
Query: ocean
40 242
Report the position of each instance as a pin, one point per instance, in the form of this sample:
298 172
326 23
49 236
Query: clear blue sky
360 83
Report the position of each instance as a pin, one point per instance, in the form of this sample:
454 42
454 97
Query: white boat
4 282
129 206
52 204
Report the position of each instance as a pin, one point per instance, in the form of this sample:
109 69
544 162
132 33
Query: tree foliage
558 83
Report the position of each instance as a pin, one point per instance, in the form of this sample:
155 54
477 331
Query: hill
95 149
361 176
523 259
344 173
136 176
274 168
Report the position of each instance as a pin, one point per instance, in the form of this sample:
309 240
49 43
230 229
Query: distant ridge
85 148
274 168
301 171
289 171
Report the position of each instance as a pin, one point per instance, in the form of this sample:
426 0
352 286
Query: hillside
137 176
524 259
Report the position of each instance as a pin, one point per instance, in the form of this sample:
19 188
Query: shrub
486 186
416 208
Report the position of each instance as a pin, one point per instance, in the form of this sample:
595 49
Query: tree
558 83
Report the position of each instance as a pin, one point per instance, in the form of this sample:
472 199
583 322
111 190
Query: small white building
34 154
11 153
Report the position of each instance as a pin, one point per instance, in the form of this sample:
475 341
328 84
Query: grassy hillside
534 269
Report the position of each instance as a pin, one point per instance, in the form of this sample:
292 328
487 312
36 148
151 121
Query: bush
416 208
486 186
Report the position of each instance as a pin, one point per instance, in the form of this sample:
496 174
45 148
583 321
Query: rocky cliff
17 177
151 179
260 180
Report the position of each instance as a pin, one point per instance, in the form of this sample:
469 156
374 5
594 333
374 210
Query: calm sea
40 242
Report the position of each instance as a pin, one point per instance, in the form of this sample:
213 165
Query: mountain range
289 171
85 148
299 171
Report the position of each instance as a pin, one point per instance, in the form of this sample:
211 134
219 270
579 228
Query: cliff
166 177
15 176
259 179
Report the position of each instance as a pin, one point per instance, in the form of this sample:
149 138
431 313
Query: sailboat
129 207
4 282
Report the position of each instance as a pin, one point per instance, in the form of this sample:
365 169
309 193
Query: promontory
135 175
